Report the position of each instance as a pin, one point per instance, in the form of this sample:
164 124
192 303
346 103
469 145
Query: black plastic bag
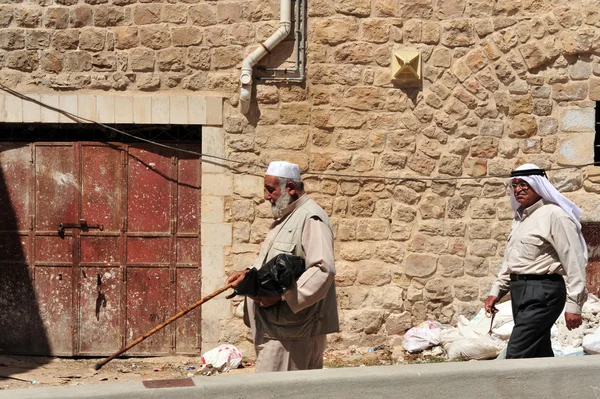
273 278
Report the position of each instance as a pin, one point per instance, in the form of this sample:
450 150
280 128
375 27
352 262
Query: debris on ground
483 337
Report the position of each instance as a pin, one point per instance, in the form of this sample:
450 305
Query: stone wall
505 82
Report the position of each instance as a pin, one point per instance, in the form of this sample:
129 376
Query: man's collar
524 212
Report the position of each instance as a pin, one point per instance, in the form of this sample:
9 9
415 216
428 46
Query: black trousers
536 305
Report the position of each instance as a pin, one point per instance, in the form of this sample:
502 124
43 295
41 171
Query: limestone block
466 290
397 324
141 59
451 165
450 266
432 207
376 30
353 251
56 17
483 248
22 60
368 321
359 8
421 163
570 91
373 229
145 14
457 246
483 209
345 274
484 147
107 15
576 149
429 244
126 37
364 98
295 113
400 231
456 207
438 289
203 14
476 266
479 229
420 265
334 31
457 33
390 252
590 204
362 205
188 36
80 16
430 32
578 120
346 230
218 234
352 298
523 126
374 273
542 107
228 13
156 36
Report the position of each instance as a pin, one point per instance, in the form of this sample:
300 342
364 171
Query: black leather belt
520 277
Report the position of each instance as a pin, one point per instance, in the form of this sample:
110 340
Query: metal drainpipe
299 71
285 26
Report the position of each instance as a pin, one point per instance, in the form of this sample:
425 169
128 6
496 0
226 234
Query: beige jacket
310 308
545 240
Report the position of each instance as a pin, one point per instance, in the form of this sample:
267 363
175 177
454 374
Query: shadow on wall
21 327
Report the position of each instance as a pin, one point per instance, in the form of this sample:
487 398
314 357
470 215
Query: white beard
282 202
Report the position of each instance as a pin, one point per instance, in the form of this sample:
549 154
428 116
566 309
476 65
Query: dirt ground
32 372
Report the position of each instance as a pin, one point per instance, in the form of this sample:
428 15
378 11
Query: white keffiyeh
548 192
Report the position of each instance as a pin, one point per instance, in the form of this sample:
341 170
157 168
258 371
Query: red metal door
128 257
591 232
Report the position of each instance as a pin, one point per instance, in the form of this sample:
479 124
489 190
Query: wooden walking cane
99 365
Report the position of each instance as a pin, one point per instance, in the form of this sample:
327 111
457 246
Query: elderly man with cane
545 247
289 330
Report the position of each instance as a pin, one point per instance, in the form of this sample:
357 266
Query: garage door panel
150 250
147 306
188 250
14 248
53 286
57 187
21 328
15 206
98 249
187 327
101 184
100 310
149 195
188 199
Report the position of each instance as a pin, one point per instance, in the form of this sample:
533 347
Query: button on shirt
544 240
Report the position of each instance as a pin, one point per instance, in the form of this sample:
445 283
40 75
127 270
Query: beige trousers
288 355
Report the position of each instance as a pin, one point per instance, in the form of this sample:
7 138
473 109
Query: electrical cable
79 119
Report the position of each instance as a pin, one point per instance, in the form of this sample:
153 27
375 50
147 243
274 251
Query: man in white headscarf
545 246
289 331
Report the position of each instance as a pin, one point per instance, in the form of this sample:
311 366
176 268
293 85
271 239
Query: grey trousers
536 305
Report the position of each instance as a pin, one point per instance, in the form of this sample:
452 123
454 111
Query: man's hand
266 301
237 277
573 320
489 304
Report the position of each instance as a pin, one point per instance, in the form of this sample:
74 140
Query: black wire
79 119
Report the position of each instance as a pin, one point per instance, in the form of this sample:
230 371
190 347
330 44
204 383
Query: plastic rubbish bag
466 343
424 336
224 357
591 343
473 349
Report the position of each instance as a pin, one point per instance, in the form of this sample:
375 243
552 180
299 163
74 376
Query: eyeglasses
521 185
